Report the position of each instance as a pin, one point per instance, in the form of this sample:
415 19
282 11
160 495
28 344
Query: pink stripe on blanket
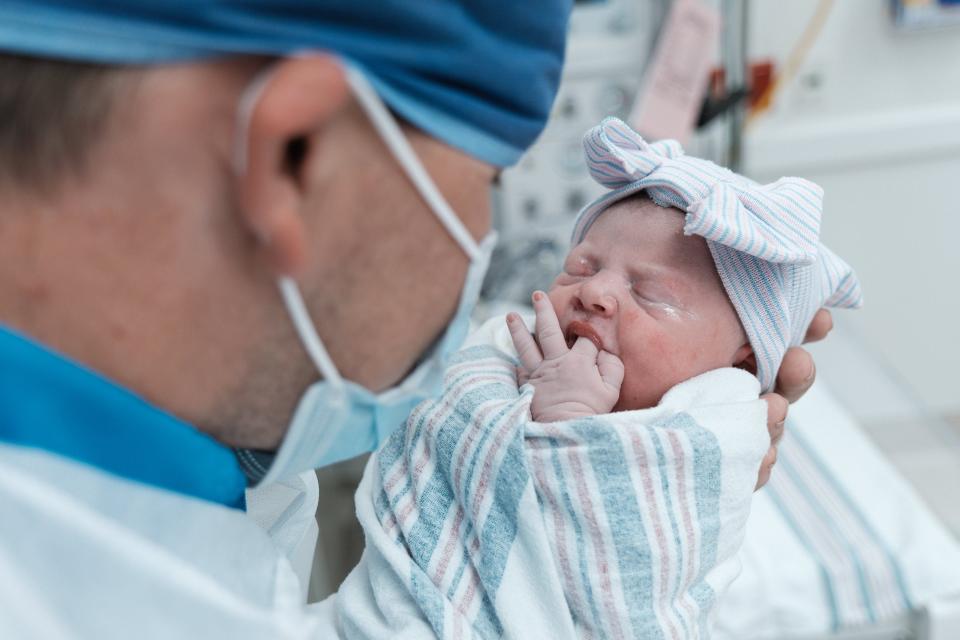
447 553
657 523
467 448
593 525
473 580
499 438
501 427
687 517
451 399
566 568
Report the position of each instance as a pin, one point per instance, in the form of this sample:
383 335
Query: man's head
131 241
155 263
651 296
55 111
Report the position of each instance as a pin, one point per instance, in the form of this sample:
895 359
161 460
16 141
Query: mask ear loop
289 291
399 146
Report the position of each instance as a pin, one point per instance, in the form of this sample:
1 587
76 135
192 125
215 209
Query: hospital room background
857 535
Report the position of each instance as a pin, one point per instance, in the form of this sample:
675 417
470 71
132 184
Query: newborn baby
595 481
640 308
664 275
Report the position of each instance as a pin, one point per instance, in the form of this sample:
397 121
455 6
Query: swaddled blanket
481 523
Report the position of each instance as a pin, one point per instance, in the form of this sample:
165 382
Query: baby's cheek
649 360
649 372
657 359
641 339
559 297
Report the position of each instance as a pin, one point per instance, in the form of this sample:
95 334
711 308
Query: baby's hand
569 382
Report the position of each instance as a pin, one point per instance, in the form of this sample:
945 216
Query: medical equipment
609 44
926 14
536 201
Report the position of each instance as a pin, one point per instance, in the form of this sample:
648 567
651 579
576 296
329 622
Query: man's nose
598 294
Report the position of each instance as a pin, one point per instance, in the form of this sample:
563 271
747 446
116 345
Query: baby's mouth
579 328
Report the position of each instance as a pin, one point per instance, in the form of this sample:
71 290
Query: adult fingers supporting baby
796 375
552 342
820 326
776 411
776 432
523 342
766 468
798 370
777 407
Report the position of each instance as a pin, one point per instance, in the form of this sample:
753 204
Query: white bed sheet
838 540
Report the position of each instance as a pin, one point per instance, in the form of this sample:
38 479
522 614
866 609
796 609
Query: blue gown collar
48 402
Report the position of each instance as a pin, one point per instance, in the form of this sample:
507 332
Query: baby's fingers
548 327
586 347
522 377
523 342
611 369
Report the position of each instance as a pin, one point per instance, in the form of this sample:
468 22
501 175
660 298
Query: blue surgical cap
480 75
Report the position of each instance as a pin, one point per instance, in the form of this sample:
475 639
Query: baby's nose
597 295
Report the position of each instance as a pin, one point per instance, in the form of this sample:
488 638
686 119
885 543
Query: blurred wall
874 117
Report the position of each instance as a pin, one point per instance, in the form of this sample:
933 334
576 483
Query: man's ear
295 97
745 359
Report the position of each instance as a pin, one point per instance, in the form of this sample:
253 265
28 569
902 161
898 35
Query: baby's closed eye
660 300
649 291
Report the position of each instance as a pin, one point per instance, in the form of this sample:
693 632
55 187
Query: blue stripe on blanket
427 597
470 481
578 534
626 527
437 497
671 510
609 466
707 461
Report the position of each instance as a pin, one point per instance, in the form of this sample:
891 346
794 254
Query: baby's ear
745 359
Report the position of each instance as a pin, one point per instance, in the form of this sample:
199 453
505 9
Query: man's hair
51 113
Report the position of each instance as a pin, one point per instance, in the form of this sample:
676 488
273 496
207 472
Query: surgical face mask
338 419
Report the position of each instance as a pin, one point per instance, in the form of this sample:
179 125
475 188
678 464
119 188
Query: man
161 167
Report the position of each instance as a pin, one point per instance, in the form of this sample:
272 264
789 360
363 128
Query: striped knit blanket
480 523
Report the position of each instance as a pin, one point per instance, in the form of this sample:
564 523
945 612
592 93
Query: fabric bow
778 222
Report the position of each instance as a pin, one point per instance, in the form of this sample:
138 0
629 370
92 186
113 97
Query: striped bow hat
764 238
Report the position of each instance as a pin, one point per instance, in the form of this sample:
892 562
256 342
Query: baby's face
650 295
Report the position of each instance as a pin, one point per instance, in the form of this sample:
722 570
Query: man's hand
570 382
796 376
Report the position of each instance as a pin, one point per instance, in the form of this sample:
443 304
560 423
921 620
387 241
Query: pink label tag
676 81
